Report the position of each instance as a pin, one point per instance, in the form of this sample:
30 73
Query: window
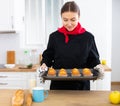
34 22
41 18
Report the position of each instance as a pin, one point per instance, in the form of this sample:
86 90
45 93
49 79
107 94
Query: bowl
9 65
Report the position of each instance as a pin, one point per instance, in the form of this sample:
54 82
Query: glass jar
32 82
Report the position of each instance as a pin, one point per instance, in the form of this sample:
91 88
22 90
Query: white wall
116 40
13 42
96 18
8 42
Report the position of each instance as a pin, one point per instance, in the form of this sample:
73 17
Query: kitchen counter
18 69
106 68
33 69
64 98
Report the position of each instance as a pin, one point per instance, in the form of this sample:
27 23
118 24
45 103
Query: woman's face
70 20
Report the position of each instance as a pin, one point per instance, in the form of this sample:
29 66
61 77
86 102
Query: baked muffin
51 72
62 72
87 72
75 72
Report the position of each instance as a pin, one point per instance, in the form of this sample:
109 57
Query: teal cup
39 94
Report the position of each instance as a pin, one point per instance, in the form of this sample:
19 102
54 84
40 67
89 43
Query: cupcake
51 72
62 72
87 72
75 72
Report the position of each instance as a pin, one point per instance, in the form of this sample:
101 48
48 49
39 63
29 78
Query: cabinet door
19 14
13 80
6 15
35 22
104 84
46 84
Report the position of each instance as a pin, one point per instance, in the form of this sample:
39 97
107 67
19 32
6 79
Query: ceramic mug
39 94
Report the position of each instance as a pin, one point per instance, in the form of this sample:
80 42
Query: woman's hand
43 67
100 69
41 70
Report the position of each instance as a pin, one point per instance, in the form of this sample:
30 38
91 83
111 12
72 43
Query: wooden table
64 98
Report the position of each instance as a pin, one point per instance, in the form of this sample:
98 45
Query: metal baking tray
70 77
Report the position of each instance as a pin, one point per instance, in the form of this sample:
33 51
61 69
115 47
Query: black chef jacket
79 52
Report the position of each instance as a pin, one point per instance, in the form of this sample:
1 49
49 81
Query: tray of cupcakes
70 74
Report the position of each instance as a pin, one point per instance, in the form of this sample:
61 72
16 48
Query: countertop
18 69
64 98
33 69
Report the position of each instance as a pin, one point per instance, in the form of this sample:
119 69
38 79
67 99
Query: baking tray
69 77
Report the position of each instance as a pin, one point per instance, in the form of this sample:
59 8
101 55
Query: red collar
78 30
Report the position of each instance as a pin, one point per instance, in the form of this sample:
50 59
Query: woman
71 46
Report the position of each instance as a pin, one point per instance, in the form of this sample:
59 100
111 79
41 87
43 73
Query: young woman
71 46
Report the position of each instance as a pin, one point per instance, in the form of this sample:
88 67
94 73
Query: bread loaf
29 99
18 98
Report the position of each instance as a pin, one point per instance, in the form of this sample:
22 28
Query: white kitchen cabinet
12 80
12 14
104 84
40 21
19 16
16 80
6 15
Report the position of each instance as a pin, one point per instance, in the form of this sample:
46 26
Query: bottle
34 56
27 58
32 82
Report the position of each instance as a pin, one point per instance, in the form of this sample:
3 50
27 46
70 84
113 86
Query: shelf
7 32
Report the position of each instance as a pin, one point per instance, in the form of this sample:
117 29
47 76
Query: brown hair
70 6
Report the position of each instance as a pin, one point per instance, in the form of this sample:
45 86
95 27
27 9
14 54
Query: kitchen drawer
15 80
12 80
12 84
18 75
104 84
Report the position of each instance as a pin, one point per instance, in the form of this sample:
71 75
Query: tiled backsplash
12 42
34 58
8 42
19 57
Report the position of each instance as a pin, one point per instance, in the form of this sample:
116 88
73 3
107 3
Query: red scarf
78 30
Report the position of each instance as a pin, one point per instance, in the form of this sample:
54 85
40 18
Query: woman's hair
70 6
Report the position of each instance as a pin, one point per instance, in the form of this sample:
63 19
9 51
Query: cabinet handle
23 19
12 22
3 76
3 83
